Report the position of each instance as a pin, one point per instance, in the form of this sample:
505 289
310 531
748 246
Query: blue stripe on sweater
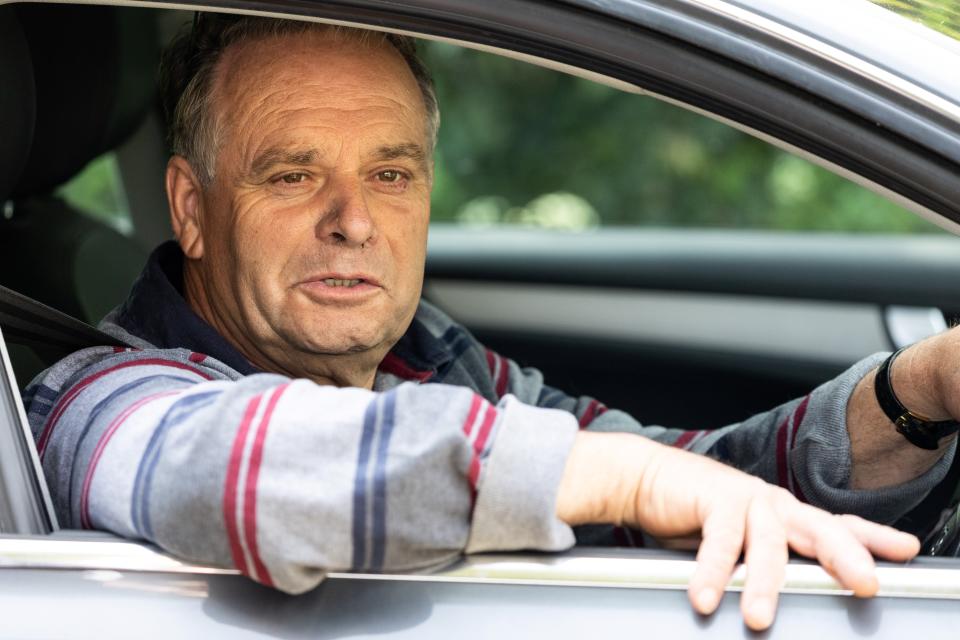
360 484
380 482
45 392
178 412
550 397
92 419
457 340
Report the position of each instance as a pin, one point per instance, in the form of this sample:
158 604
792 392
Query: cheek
261 245
407 235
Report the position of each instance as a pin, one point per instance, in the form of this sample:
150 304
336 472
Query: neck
340 370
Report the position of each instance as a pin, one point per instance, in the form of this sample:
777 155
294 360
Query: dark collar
157 312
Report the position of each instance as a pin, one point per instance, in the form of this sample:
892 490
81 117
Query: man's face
314 229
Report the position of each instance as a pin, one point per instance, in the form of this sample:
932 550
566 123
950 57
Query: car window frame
25 503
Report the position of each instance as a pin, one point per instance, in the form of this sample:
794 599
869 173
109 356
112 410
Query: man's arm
285 479
819 447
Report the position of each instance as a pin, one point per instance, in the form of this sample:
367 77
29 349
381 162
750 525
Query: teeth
333 282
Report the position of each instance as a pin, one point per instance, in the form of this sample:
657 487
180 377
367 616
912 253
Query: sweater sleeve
801 445
285 479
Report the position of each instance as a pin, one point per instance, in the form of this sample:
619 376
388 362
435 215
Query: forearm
880 456
286 479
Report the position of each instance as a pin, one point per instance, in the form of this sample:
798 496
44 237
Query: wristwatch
917 429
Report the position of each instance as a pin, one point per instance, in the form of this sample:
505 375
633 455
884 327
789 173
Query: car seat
93 83
77 81
17 102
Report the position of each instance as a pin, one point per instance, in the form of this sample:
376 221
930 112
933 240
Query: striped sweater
177 440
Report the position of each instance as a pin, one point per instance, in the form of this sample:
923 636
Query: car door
77 584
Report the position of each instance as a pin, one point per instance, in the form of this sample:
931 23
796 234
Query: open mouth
334 282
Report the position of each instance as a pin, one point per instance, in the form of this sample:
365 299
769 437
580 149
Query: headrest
17 103
95 76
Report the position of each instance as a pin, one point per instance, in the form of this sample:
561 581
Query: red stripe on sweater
479 443
491 362
593 410
250 497
503 375
230 490
101 445
472 414
782 450
75 390
798 416
685 438
785 475
392 364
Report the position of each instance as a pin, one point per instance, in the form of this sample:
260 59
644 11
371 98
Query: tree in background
523 144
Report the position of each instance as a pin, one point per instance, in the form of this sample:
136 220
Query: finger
831 541
843 555
766 562
883 541
722 541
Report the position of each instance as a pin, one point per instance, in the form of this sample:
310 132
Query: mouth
340 287
337 282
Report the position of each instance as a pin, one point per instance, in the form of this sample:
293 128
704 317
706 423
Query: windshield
940 15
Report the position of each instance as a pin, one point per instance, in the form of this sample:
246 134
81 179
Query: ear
184 197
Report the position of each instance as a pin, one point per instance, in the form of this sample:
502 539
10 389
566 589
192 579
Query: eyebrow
408 150
274 156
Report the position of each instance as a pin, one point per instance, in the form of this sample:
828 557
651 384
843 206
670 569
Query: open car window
527 146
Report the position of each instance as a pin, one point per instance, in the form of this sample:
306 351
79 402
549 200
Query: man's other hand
630 480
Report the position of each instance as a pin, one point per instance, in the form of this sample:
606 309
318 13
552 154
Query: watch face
944 540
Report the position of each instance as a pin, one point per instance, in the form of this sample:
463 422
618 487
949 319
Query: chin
322 334
332 345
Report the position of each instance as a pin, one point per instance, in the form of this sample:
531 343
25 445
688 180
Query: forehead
323 76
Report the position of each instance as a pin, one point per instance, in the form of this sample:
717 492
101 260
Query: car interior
648 322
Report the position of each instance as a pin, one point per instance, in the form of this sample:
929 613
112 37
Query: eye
391 176
293 178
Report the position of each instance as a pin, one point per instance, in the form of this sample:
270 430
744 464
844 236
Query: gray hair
187 74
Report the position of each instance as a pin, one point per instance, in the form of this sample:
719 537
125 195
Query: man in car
289 405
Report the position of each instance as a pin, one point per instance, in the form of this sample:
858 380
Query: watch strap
917 429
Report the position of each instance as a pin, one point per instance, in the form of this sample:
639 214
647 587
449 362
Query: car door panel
686 328
100 586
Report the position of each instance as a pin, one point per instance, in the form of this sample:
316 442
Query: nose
345 217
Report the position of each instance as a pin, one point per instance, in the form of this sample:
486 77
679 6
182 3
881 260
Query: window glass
98 192
524 145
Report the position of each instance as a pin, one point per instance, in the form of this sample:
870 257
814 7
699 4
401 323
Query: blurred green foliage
98 192
514 134
941 15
